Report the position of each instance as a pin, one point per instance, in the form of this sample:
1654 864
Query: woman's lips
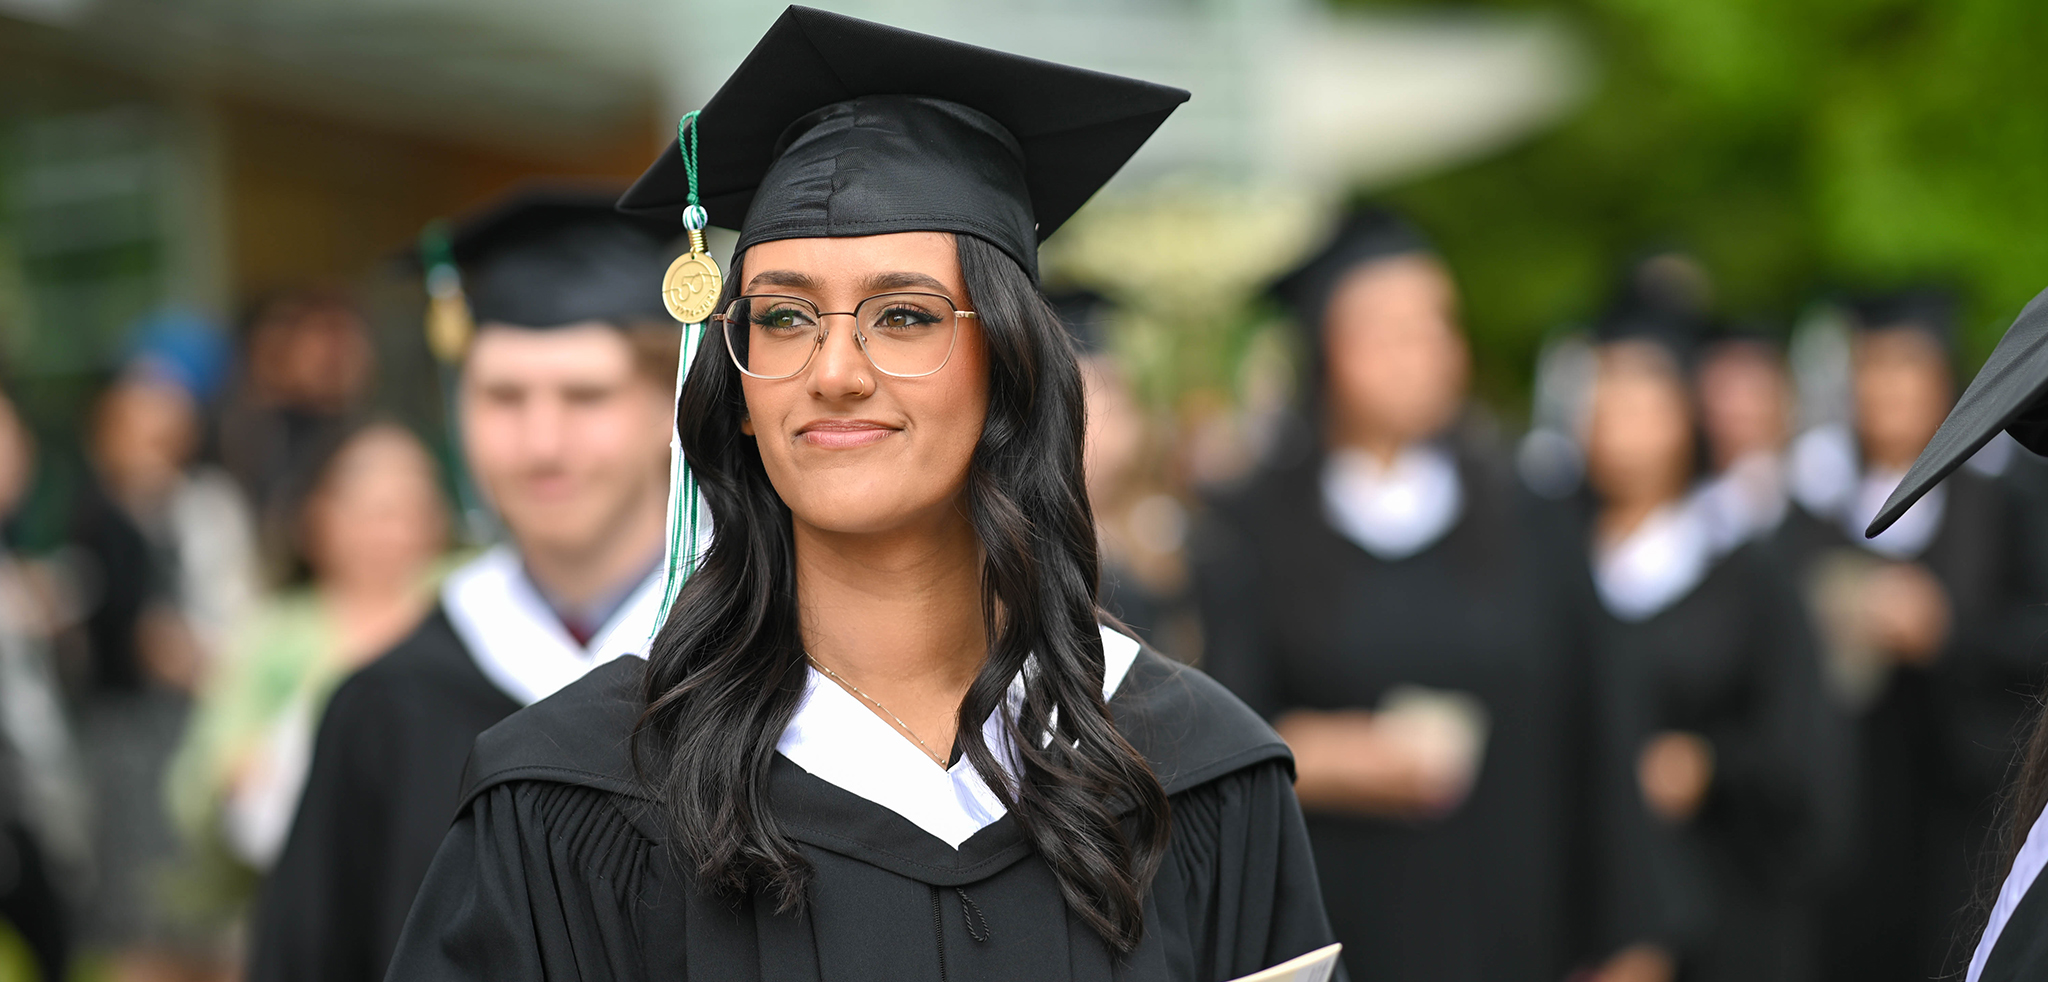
843 434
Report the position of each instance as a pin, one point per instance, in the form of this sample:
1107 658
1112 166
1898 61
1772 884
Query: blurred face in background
17 457
1903 390
377 516
1397 362
310 352
565 432
1745 401
1639 437
144 433
1116 429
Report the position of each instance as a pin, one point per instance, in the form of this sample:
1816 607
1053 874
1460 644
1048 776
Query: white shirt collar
2026 868
519 643
836 737
1828 480
1656 565
1912 533
1397 510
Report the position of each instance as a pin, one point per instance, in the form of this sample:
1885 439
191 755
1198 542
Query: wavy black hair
727 670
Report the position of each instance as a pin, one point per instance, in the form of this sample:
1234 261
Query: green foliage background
1794 145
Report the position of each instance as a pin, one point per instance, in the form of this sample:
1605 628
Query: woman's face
377 517
1903 391
1397 362
1639 432
849 449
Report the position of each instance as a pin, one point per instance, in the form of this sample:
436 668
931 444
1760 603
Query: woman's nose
840 370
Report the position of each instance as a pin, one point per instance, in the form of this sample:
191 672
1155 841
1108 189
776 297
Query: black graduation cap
835 126
1662 299
1366 235
2010 393
1929 310
552 257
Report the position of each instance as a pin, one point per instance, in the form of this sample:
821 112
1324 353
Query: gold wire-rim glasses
727 323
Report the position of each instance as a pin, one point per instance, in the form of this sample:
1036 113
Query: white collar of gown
1658 563
2026 868
1397 510
515 637
836 737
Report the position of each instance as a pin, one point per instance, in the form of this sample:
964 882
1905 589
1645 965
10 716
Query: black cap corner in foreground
835 126
2008 394
553 256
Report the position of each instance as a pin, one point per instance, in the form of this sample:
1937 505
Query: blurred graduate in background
1393 604
1736 747
1934 629
2009 398
564 410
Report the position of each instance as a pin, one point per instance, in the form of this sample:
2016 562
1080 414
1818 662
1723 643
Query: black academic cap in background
835 126
1929 310
2010 393
553 257
1663 298
1366 235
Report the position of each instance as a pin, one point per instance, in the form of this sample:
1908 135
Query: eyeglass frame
860 339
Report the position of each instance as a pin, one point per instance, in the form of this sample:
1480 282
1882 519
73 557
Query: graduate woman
2010 394
882 734
1737 751
1392 602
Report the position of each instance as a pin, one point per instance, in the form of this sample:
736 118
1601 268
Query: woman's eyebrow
787 278
881 282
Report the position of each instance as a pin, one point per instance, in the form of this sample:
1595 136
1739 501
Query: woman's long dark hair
727 670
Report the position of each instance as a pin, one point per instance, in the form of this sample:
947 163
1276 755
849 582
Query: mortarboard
1663 300
1928 310
839 127
2010 393
553 257
835 126
1365 236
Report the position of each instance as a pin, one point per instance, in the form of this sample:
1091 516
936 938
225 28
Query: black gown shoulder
2021 951
559 867
380 792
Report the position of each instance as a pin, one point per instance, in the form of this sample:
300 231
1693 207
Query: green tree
1794 145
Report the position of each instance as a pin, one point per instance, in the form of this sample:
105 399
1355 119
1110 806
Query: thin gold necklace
877 703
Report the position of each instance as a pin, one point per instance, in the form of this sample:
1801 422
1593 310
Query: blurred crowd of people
1629 696
251 532
1633 695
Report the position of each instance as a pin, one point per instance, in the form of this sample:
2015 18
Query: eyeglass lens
905 334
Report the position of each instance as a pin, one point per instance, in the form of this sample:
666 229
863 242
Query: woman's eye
782 319
905 317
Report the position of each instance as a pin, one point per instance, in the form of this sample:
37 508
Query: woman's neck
899 615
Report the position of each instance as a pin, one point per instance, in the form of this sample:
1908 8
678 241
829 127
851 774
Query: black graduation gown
385 781
1296 616
1734 661
2021 952
559 867
1933 749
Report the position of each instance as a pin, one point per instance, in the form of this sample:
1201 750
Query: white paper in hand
1316 966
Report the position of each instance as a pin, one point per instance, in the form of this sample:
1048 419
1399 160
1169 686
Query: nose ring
863 385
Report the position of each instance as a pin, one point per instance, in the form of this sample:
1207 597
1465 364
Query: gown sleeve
312 921
1238 890
534 882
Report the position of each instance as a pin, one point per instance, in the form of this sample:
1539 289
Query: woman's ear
747 423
